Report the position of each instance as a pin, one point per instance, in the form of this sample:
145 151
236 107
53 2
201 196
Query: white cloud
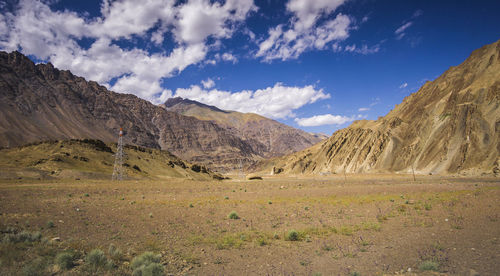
278 101
400 32
303 33
35 29
362 109
364 50
403 27
229 57
326 119
404 85
199 19
207 84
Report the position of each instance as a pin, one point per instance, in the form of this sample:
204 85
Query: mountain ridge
40 102
272 138
450 125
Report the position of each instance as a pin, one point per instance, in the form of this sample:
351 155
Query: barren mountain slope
449 125
268 137
93 159
39 102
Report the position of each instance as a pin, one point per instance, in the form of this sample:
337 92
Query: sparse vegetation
64 260
35 267
96 260
50 224
147 264
429 266
292 235
233 215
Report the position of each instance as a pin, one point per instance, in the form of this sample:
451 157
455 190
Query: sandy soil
366 224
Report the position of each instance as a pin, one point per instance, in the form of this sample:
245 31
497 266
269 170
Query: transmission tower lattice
118 168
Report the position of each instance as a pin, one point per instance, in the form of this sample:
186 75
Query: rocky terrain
268 137
40 102
93 159
450 125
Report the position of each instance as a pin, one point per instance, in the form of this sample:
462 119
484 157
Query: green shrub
64 260
262 241
233 215
50 224
429 265
147 264
96 259
23 236
114 253
35 267
292 235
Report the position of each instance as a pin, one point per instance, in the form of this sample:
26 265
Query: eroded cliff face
450 125
40 102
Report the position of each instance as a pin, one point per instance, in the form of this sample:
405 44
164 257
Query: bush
292 235
50 224
429 266
96 259
64 260
114 253
147 264
233 215
23 236
35 268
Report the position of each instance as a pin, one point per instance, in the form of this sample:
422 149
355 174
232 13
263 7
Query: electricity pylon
118 168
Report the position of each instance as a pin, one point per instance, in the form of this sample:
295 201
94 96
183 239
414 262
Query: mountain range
450 125
39 102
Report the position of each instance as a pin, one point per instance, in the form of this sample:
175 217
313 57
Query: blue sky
316 65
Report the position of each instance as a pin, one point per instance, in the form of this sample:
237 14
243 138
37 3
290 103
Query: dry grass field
361 225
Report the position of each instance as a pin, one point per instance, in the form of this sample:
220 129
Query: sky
316 65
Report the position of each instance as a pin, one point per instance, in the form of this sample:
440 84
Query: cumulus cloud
199 19
207 84
35 29
278 101
303 32
326 119
229 57
404 85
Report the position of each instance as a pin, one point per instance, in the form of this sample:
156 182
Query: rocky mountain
450 125
40 102
267 137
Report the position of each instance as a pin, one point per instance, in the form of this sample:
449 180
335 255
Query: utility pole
118 168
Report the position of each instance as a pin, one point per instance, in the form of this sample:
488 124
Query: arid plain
330 225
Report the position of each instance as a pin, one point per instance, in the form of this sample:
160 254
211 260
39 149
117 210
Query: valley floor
357 225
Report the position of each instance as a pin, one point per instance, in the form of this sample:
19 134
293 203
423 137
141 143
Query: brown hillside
449 125
268 137
40 102
93 159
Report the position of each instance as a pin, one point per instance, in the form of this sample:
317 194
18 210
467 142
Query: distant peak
171 102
